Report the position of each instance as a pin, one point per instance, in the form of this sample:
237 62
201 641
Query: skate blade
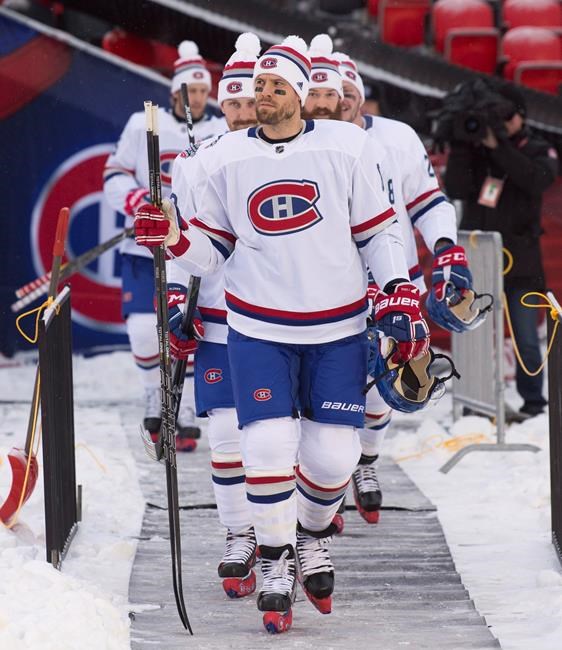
278 622
240 587
186 445
339 523
323 605
152 449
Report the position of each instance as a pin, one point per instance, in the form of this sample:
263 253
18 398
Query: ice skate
187 432
315 568
152 416
235 569
277 594
366 490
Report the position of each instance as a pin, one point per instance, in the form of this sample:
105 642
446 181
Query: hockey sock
372 436
141 329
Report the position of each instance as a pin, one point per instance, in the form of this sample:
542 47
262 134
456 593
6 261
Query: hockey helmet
408 386
457 312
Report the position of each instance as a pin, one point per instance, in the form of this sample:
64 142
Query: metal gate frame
463 345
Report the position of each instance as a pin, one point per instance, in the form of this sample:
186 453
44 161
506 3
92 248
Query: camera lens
471 125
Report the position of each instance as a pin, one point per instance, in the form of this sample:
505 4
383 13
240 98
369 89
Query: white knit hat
289 61
348 71
325 69
190 68
237 76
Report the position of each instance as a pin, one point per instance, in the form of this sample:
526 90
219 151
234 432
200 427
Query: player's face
240 113
322 103
276 100
198 95
351 102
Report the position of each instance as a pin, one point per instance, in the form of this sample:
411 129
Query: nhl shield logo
320 77
284 207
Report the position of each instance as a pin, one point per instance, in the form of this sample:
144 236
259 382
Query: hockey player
125 188
213 388
292 209
413 191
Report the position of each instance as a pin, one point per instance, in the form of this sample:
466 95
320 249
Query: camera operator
501 178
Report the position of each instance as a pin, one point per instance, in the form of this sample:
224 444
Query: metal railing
478 354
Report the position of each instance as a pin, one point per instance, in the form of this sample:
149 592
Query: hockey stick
40 286
23 462
168 427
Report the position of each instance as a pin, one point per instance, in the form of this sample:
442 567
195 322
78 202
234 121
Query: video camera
469 110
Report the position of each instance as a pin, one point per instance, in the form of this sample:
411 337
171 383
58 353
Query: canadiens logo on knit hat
198 75
234 87
351 74
319 77
269 63
237 76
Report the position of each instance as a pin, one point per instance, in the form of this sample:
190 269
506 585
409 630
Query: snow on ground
494 508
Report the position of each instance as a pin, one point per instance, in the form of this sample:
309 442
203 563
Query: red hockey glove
398 316
134 199
182 345
155 226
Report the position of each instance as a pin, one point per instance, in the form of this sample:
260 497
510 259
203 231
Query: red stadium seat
476 49
373 8
528 44
457 14
402 22
128 46
545 76
536 13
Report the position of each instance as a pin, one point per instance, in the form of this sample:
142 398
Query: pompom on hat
288 60
237 76
190 68
348 71
325 68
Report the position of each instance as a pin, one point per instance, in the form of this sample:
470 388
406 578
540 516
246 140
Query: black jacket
528 164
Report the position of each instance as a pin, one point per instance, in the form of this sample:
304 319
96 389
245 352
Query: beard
237 125
272 116
323 113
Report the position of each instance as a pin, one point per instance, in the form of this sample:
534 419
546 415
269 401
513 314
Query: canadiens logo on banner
234 87
77 183
269 63
262 394
284 207
166 163
213 375
319 77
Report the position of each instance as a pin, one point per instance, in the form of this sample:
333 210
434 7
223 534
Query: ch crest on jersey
284 207
166 162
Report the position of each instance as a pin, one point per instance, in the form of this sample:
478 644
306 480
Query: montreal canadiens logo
166 163
319 77
234 87
198 74
213 375
269 63
262 394
350 74
77 183
284 207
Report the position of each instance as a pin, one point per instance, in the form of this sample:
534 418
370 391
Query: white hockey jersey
211 301
412 190
296 223
127 168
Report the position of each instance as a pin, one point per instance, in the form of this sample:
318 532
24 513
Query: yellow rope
83 445
473 238
39 309
553 315
450 444
13 521
509 256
